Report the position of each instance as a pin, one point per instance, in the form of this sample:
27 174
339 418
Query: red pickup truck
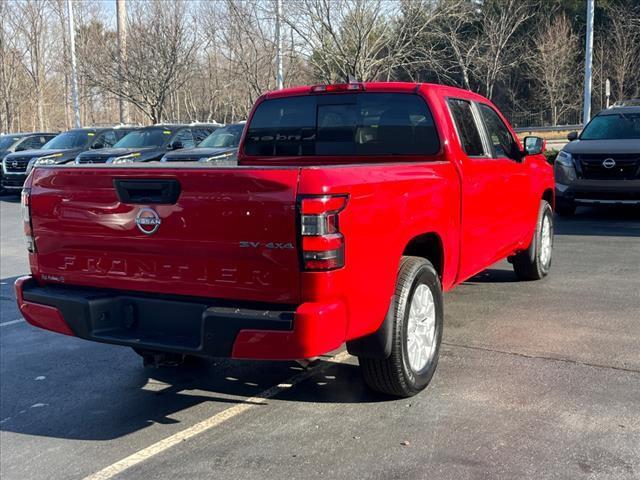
351 209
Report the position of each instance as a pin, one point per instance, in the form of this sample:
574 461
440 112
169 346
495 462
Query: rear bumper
605 192
184 325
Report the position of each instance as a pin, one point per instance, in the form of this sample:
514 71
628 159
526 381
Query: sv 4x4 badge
270 245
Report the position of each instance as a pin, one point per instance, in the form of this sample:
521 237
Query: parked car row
206 142
20 142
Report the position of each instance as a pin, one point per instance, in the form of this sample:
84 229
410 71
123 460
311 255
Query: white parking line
213 421
19 320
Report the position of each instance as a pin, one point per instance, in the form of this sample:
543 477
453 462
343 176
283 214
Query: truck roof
406 87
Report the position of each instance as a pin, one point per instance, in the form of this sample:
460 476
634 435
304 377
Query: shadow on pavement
10 197
7 291
493 275
63 387
78 409
603 221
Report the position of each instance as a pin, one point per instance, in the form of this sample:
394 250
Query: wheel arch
378 344
549 196
428 246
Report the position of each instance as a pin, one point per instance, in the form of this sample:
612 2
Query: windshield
7 140
69 140
613 127
154 137
343 124
228 136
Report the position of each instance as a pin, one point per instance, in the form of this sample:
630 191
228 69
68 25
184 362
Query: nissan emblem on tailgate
148 221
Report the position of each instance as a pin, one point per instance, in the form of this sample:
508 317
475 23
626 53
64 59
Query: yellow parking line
213 421
19 320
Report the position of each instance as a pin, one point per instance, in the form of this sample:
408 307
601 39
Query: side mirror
572 136
177 145
534 145
20 148
96 146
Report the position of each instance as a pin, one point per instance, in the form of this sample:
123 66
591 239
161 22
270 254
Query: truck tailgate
231 232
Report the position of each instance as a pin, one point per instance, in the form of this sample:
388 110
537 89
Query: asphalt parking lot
537 380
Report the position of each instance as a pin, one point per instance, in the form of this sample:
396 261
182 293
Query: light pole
588 61
121 13
279 75
74 70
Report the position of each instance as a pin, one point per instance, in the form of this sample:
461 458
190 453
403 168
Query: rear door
229 233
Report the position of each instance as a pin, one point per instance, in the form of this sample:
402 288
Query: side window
199 134
503 143
186 138
30 143
466 126
106 139
118 134
98 141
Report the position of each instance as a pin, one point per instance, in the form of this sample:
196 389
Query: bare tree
238 65
9 69
245 42
555 65
459 31
31 24
210 60
501 20
161 47
361 38
64 65
623 50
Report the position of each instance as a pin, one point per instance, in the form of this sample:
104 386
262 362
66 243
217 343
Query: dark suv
62 148
601 166
150 144
19 142
221 147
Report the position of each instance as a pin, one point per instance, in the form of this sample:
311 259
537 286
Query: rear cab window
345 124
467 127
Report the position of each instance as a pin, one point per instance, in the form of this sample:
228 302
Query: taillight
26 219
322 242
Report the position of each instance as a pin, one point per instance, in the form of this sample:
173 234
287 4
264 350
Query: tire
565 209
534 262
403 374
